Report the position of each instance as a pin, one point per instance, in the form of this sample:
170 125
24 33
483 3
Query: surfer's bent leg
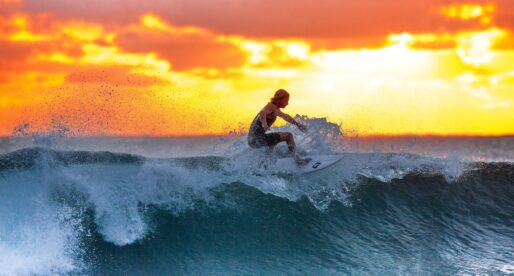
288 137
271 140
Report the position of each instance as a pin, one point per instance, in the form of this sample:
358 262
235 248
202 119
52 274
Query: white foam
119 193
37 236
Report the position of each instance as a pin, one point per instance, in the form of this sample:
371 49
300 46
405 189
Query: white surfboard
289 166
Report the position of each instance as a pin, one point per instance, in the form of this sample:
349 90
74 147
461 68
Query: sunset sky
193 67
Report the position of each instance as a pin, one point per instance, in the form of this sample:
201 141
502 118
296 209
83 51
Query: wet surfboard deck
289 166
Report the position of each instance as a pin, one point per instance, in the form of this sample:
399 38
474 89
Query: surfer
257 136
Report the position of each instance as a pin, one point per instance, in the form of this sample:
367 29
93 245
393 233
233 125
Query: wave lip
30 157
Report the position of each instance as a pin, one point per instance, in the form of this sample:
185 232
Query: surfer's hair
279 95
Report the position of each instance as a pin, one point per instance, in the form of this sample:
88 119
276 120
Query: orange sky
189 67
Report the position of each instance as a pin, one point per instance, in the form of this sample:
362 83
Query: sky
202 67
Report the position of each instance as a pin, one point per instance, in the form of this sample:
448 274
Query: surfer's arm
291 120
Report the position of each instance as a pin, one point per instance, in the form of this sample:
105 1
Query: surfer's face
283 102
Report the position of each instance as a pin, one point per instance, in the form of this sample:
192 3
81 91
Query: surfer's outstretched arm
291 120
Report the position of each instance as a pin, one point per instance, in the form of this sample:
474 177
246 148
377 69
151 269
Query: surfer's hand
265 127
302 127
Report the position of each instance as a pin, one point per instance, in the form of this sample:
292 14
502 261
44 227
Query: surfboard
289 166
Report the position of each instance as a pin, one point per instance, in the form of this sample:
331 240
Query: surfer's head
281 98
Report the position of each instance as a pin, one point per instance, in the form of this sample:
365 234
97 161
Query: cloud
24 41
185 48
13 52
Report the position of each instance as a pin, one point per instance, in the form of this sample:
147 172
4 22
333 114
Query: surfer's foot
302 161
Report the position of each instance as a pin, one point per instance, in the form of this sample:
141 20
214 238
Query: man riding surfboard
257 136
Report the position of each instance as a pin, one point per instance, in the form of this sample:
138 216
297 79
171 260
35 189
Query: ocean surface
194 206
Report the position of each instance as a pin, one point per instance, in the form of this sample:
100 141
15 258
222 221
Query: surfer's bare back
257 136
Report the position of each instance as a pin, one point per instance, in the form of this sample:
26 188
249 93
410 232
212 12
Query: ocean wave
98 212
